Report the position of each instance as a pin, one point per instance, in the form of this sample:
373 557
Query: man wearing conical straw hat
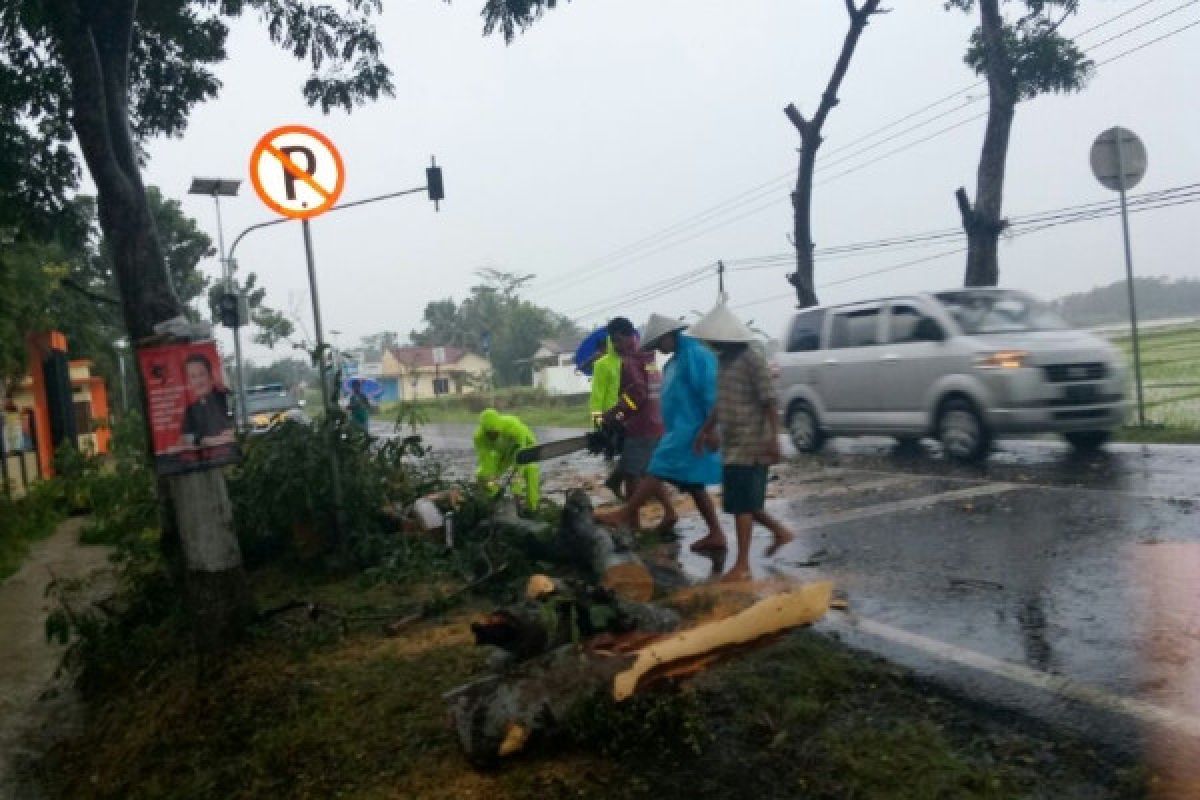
689 394
745 424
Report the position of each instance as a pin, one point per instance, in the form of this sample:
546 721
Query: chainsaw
604 439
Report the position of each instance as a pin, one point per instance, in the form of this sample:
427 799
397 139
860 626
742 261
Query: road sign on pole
1119 162
298 173
1122 166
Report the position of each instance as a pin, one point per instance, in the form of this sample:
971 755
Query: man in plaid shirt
745 425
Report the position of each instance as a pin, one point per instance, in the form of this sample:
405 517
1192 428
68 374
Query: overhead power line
1019 225
1084 217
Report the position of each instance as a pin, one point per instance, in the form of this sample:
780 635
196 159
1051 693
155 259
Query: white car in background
271 404
961 366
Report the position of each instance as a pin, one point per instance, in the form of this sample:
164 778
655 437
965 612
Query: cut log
592 547
563 613
692 650
496 716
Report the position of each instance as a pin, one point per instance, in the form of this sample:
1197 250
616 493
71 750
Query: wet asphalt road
1063 586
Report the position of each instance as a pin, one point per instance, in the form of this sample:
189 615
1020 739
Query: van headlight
1004 359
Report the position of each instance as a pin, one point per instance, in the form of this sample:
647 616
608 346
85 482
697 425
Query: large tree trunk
810 142
802 278
96 39
983 223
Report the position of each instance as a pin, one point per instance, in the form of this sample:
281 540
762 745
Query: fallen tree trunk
556 613
497 715
593 548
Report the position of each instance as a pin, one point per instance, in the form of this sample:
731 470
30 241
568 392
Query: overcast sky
614 120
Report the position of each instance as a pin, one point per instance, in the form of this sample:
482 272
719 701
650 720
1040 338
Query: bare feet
783 537
714 541
739 574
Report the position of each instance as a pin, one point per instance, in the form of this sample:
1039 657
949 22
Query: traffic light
232 310
433 183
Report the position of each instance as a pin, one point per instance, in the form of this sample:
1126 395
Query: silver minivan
962 366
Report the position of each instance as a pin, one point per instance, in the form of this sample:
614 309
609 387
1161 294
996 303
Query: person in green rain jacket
606 390
606 380
497 440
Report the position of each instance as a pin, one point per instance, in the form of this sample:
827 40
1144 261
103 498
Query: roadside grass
1159 434
26 520
1171 381
306 710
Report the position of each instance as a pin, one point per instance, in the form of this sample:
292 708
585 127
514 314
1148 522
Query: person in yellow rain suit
497 440
606 380
606 389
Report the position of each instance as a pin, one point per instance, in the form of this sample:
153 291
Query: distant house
421 373
554 367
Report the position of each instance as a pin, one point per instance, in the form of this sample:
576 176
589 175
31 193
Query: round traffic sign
297 171
1118 159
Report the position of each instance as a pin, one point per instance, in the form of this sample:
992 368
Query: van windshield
991 311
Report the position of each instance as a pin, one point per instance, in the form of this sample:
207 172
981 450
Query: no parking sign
297 171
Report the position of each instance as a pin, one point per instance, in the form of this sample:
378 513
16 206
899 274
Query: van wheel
1088 440
804 430
961 430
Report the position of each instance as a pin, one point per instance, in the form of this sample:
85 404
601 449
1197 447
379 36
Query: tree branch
796 118
964 205
95 297
858 20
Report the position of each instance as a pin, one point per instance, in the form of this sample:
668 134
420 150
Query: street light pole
243 412
217 188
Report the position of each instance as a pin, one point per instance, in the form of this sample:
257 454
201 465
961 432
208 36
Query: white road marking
863 486
911 504
817 477
1176 498
1055 684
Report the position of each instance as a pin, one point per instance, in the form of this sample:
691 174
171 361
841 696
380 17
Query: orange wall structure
31 395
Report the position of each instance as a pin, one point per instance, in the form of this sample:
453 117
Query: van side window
805 334
855 328
902 325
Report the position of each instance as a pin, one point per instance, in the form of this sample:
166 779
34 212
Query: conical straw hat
722 325
657 327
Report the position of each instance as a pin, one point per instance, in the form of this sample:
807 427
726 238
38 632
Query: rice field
1170 373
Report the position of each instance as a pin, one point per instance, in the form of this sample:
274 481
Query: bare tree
1020 60
810 142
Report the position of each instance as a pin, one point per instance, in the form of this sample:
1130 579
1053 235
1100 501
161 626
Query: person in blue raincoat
689 394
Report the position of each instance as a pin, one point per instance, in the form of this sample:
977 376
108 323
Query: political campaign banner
190 407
